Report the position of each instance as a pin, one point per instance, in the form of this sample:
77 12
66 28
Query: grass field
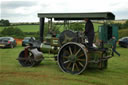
35 28
26 28
48 72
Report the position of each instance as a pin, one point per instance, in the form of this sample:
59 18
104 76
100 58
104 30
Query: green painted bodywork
49 49
107 31
45 48
51 45
94 55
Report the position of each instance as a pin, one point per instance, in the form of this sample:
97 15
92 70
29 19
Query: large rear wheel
72 58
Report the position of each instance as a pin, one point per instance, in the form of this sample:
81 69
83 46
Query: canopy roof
78 16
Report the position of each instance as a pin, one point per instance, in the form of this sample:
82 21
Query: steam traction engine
74 56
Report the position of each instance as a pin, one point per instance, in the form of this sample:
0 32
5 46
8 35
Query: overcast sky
26 10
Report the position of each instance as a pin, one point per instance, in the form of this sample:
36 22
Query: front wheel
26 61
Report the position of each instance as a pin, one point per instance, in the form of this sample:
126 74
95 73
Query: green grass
29 28
49 73
35 28
1 28
26 28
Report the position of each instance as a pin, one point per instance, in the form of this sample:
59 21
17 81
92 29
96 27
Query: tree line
123 26
17 33
4 22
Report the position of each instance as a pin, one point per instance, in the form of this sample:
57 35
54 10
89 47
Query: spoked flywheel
72 58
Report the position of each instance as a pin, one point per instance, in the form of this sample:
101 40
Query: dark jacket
113 41
89 29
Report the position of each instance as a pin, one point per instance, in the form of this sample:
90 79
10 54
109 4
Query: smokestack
41 29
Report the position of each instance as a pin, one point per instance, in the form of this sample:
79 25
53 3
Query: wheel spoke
77 52
73 66
77 67
81 59
66 61
68 65
70 50
81 64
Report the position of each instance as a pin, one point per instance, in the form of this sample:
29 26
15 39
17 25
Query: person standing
114 46
89 32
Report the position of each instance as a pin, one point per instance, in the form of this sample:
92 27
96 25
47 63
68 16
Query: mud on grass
48 72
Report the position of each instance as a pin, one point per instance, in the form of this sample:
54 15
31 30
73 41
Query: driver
89 32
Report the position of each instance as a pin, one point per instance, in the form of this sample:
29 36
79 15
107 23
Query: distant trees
12 31
125 25
4 22
17 33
